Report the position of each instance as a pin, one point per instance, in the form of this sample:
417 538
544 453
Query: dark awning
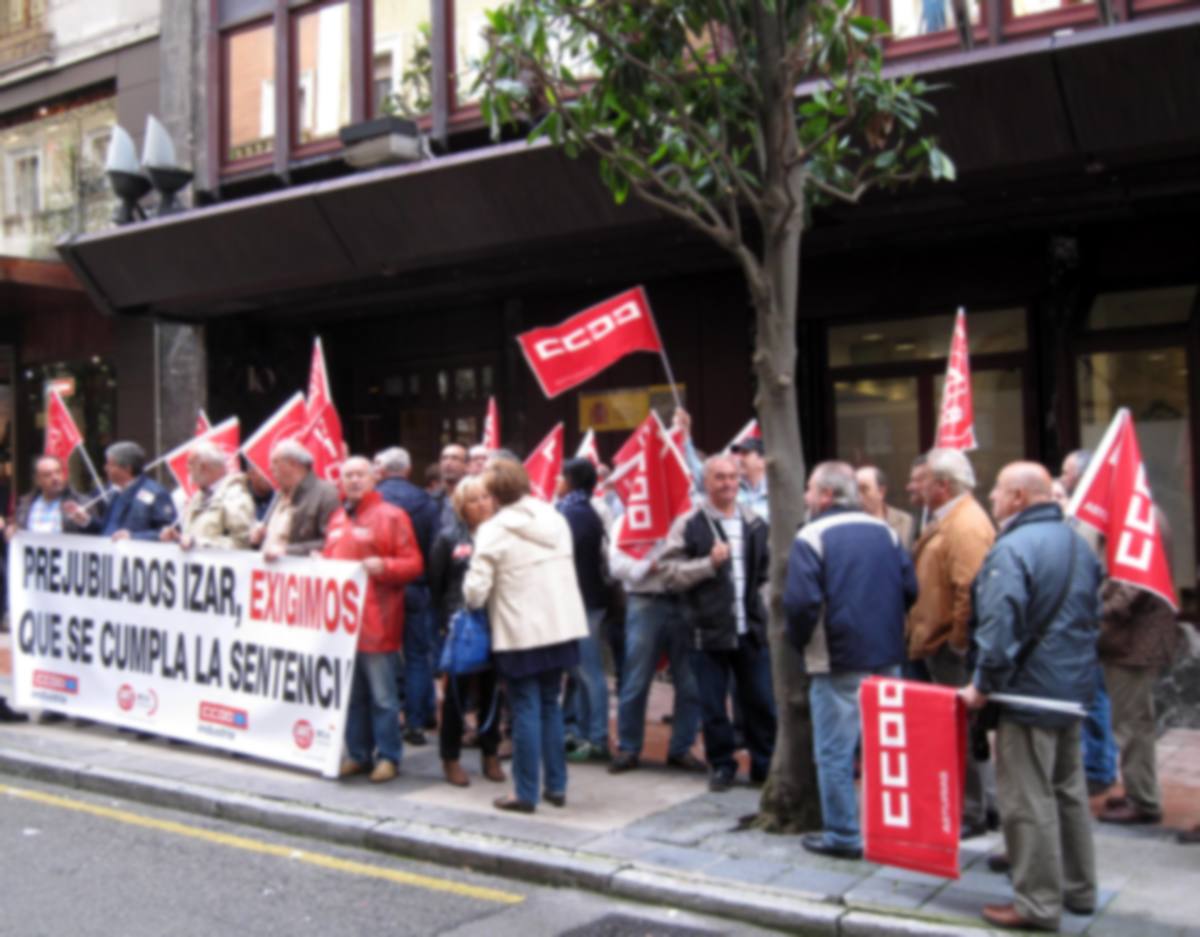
1053 118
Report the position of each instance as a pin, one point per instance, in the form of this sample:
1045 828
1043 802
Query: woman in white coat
523 572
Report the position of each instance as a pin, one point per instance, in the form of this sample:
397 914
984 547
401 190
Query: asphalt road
82 864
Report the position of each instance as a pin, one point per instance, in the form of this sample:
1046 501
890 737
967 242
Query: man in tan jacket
220 514
947 556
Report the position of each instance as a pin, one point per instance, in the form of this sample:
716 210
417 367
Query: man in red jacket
367 529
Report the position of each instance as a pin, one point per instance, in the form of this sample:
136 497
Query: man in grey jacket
1036 603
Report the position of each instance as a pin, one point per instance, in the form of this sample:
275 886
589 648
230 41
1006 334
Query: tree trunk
790 801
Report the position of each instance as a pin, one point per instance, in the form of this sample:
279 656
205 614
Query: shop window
321 85
465 387
23 183
998 399
877 424
402 56
249 99
911 18
1033 7
926 338
1153 384
1140 308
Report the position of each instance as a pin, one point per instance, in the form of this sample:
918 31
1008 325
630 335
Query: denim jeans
749 666
587 711
653 624
373 719
836 730
537 734
420 624
1099 747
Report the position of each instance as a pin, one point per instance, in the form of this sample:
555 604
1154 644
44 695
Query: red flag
914 751
322 433
544 464
62 435
587 449
491 426
285 423
564 355
654 485
749 431
225 437
1114 497
203 424
956 425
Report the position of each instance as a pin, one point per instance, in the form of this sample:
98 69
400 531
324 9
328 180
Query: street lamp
158 157
125 176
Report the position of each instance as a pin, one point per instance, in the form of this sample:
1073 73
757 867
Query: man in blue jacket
138 506
849 584
1037 608
392 468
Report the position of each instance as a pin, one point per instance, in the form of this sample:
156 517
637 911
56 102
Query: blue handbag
468 646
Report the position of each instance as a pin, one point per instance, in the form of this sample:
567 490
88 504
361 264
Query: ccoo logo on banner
212 647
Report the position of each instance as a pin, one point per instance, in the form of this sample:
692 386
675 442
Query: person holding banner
220 514
849 584
716 556
44 510
947 557
296 523
141 507
523 572
367 529
1037 605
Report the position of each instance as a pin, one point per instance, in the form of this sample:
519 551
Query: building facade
1068 238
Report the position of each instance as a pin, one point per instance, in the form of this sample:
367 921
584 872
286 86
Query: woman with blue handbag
448 562
523 571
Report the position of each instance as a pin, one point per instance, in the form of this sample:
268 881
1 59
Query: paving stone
825 882
886 893
755 871
675 857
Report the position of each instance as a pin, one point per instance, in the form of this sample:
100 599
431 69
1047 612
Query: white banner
214 647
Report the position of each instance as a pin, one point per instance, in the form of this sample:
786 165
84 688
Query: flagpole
662 350
87 460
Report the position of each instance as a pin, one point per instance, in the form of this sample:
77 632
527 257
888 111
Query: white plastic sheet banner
214 647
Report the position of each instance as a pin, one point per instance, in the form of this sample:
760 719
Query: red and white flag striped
587 449
288 422
544 464
655 486
62 435
956 424
226 436
1113 497
749 431
322 433
491 426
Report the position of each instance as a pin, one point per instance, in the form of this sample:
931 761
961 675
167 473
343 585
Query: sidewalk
654 834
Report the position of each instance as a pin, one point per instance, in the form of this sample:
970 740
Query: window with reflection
402 57
877 424
1140 308
249 57
923 338
911 18
321 83
1033 7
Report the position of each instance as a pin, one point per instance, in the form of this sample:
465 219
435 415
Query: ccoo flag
491 426
288 422
1113 497
544 464
226 437
322 433
654 485
565 355
956 423
62 435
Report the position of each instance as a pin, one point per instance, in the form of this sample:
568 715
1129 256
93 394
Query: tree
693 106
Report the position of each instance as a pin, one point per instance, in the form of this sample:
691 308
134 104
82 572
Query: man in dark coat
138 507
392 468
1037 606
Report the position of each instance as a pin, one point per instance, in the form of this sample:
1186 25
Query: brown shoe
1189 837
384 771
350 767
513 805
455 774
1129 814
1006 915
492 770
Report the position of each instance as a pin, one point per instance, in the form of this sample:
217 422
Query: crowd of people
941 592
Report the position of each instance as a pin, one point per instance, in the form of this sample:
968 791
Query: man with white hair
297 522
849 583
947 556
220 513
392 468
